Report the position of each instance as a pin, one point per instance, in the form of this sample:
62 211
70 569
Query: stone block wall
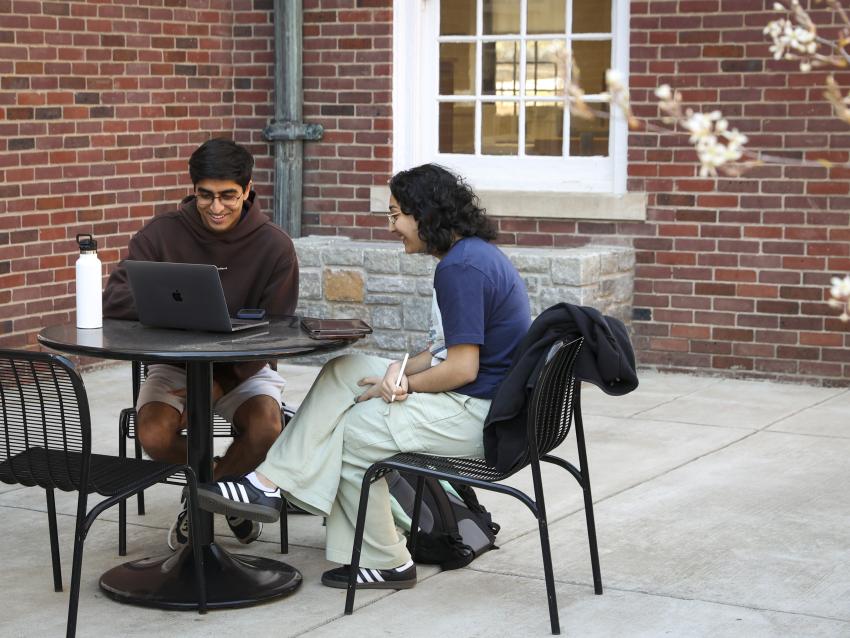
390 290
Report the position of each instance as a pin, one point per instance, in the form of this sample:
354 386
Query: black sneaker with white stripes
238 497
178 534
403 577
245 530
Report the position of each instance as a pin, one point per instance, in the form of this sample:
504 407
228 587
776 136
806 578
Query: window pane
457 127
592 58
501 17
457 17
591 16
544 128
500 68
589 137
544 70
546 16
499 128
457 68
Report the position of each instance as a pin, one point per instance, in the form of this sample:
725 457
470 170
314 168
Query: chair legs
84 523
358 539
538 507
588 501
591 539
123 433
140 497
543 525
54 540
80 532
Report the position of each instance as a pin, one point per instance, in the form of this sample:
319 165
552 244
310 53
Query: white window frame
415 90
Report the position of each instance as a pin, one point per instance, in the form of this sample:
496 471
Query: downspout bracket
288 131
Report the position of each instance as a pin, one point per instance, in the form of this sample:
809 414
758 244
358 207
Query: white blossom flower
618 95
840 287
794 37
664 92
614 80
715 143
702 125
840 293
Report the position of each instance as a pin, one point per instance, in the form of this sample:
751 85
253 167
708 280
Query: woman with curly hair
355 414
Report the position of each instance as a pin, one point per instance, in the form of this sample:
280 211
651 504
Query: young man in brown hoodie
222 224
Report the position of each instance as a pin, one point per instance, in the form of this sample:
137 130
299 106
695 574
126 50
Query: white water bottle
89 293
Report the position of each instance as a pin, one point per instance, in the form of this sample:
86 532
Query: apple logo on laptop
177 296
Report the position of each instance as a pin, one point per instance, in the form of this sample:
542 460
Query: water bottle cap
87 243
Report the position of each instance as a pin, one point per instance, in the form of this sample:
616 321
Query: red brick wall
347 89
732 272
100 105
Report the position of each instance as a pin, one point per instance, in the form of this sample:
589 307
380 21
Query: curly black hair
443 205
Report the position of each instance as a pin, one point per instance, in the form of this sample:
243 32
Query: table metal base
168 582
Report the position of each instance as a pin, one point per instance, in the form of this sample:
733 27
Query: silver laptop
185 296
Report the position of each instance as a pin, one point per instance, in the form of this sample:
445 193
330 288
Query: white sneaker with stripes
239 497
402 577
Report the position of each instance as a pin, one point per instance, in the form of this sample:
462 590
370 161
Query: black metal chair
127 431
555 402
45 427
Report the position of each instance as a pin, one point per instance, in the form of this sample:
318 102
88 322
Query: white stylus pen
400 373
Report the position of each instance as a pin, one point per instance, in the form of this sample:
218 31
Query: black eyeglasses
228 199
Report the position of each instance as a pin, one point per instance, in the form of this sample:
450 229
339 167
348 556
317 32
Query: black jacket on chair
606 359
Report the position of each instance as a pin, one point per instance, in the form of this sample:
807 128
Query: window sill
542 204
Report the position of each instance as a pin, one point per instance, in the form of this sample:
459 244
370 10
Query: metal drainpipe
287 131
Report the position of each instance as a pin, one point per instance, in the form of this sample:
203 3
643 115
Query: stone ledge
545 204
379 283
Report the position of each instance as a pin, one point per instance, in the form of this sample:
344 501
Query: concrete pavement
722 509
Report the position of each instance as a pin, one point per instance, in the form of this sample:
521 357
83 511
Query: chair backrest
44 416
550 410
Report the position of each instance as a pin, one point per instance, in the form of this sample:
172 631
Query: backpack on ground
454 528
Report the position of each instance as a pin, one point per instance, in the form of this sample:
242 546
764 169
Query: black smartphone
251 313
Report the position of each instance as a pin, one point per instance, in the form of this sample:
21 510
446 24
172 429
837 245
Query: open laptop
185 296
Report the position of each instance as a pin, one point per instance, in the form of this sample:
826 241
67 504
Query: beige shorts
162 379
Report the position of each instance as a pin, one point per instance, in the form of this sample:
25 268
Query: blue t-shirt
483 301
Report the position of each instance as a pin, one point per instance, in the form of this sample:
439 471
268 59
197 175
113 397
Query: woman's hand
388 384
385 387
374 390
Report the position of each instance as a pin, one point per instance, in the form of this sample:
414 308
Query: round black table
233 580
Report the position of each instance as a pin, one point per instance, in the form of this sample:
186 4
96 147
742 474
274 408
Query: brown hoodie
256 260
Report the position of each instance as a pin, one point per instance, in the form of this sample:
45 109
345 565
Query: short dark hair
224 159
443 205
